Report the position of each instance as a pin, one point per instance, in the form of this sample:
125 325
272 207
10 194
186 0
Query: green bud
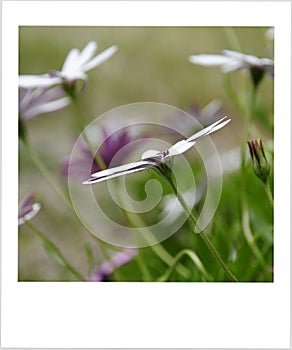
260 163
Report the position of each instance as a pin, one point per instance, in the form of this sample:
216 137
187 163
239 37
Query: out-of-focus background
151 65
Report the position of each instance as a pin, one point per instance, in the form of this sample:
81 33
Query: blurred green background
151 65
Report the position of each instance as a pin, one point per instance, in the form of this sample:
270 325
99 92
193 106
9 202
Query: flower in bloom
232 60
260 163
27 209
112 144
156 159
117 260
34 102
76 64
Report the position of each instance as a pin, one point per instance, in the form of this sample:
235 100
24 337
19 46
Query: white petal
47 107
234 54
151 153
232 65
209 129
71 61
209 60
96 61
33 81
87 53
179 148
118 171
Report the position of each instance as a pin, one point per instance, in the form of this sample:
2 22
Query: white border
146 315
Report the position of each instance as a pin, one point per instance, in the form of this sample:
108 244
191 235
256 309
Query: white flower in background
232 60
27 209
34 102
270 34
153 158
76 64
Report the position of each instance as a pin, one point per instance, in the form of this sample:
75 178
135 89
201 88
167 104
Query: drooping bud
260 163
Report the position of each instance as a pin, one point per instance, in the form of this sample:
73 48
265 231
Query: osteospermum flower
112 144
117 260
34 102
156 159
76 64
232 60
27 209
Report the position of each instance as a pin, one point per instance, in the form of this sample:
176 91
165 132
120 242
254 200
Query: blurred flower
260 163
34 102
27 209
270 34
113 143
157 160
76 64
208 114
117 260
232 60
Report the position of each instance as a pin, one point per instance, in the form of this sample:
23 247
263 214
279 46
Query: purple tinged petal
27 209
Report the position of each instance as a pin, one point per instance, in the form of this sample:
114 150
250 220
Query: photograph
146 154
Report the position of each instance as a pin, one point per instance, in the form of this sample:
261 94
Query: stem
205 238
44 171
81 124
56 250
196 260
269 194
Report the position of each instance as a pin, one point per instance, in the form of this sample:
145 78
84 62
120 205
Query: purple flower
27 209
34 102
74 68
117 260
85 165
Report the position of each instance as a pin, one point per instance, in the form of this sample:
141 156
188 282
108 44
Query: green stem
205 238
81 124
44 171
196 260
269 194
56 251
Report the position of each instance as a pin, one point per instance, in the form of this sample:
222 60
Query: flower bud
260 163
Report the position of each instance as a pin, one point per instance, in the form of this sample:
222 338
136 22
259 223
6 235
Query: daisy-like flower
155 159
76 64
34 102
112 144
117 260
232 60
27 209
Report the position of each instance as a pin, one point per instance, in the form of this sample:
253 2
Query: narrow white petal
234 54
179 148
87 53
71 61
118 171
209 60
209 129
151 153
96 61
47 107
33 81
232 65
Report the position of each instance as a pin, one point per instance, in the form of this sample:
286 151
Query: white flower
152 158
34 102
76 64
27 209
233 60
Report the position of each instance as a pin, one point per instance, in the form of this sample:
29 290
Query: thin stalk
56 251
269 194
81 124
205 238
44 171
196 260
